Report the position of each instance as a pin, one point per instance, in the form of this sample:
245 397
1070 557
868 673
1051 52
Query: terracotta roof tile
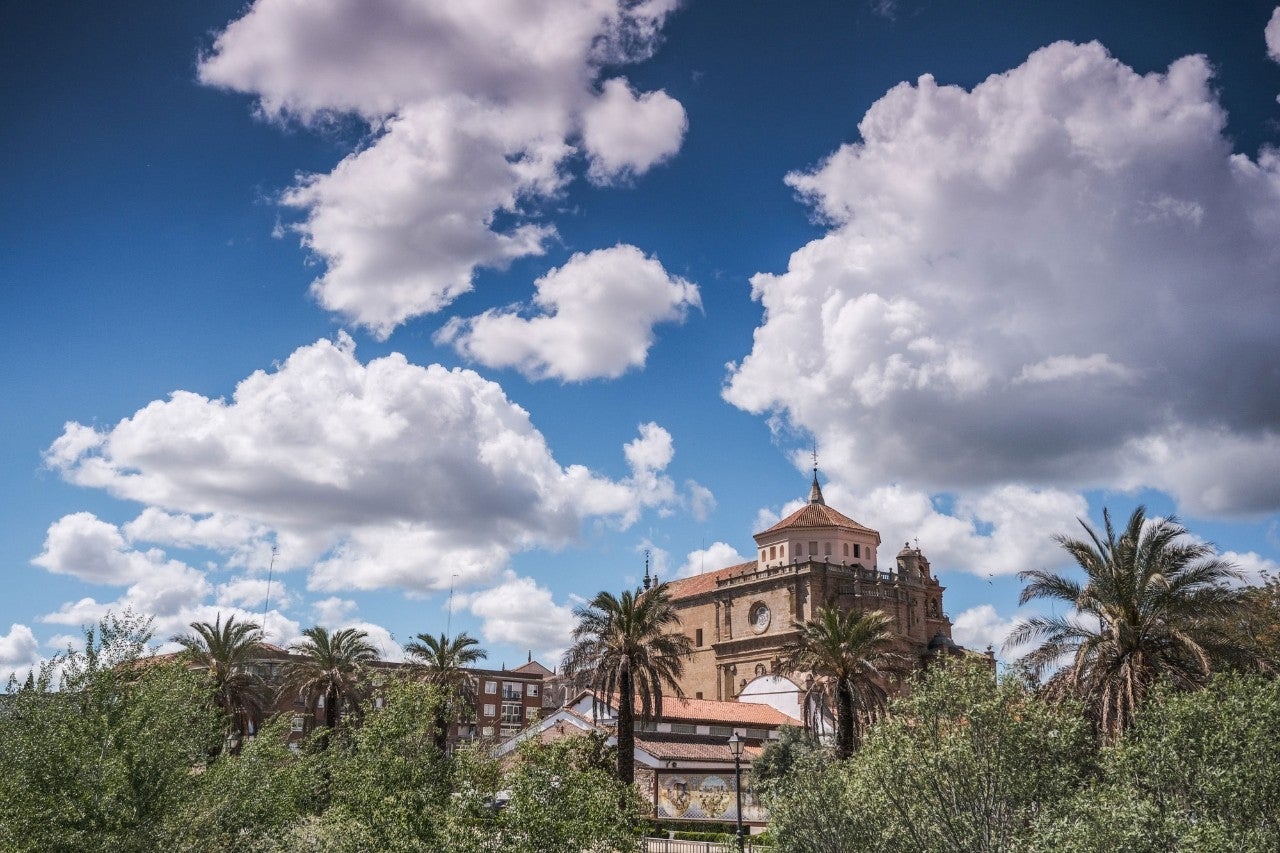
706 581
672 750
730 713
816 515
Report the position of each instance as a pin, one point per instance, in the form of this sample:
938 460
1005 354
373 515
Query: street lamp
735 746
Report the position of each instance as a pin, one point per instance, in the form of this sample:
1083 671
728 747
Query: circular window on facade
759 617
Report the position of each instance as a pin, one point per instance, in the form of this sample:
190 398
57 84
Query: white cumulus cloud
474 111
19 652
625 133
596 318
520 612
380 475
717 555
1272 35
1065 276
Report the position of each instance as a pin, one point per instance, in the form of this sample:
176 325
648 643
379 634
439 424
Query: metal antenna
448 622
815 457
266 605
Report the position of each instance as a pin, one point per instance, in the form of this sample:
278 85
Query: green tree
1155 603
387 776
249 801
444 662
626 649
964 764
330 667
851 656
223 653
794 749
561 798
1196 773
99 763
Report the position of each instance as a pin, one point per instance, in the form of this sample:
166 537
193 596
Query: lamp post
735 746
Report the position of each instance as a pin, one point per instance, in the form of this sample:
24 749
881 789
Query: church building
740 618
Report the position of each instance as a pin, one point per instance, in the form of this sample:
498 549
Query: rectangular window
756 734
491 687
827 548
813 549
511 714
698 695
846 549
489 710
857 550
530 713
721 731
487 731
683 729
532 690
782 550
773 551
296 723
799 549
697 637
512 690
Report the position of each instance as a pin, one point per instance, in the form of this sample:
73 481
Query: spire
648 581
815 491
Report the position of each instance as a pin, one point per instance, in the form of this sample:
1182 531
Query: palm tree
329 667
443 662
628 647
1154 604
225 652
851 655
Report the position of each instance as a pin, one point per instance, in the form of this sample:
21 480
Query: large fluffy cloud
380 475
598 313
475 110
519 612
1064 276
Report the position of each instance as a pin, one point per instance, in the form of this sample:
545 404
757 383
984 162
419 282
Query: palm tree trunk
844 720
626 727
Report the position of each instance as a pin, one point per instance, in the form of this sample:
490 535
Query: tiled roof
675 750
816 515
729 713
706 581
533 668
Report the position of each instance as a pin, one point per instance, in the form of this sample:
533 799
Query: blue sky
495 297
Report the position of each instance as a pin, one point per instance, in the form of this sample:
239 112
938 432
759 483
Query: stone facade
741 617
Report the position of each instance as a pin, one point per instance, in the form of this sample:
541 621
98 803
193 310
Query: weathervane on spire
815 491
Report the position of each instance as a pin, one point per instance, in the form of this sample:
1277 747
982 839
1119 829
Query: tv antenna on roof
266 604
448 621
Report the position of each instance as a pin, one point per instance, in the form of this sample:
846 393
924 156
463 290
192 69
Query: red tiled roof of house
672 750
534 668
729 713
816 515
707 581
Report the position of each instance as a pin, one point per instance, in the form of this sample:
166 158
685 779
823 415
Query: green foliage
1198 772
963 764
1156 604
100 763
852 654
329 667
223 651
562 798
631 647
248 801
388 776
784 757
